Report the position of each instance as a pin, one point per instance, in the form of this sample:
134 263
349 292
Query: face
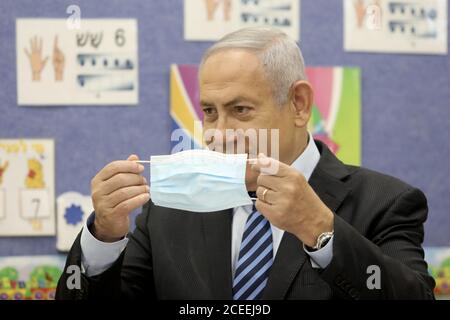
235 94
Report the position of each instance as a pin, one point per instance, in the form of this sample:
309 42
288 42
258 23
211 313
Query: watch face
323 240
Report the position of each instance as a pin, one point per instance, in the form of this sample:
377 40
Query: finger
265 196
133 157
267 165
127 206
27 53
264 208
126 193
122 180
274 183
40 45
120 166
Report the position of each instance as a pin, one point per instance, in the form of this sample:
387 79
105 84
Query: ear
301 98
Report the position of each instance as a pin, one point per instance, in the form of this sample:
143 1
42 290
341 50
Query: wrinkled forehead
231 65
234 72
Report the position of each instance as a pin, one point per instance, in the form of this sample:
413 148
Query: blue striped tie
255 259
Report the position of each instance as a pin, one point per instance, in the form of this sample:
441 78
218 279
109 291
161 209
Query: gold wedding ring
264 195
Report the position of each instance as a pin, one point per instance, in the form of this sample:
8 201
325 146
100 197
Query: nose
220 135
222 123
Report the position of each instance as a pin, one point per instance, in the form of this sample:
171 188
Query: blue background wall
405 119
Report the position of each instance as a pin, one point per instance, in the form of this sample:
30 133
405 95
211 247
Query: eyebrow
233 102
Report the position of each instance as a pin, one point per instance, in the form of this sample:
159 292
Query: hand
58 61
289 202
117 190
211 6
360 10
36 61
227 10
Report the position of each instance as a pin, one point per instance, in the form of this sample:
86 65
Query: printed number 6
120 37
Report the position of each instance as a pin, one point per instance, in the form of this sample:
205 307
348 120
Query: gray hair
280 56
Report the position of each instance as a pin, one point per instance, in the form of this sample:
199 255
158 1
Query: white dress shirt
97 256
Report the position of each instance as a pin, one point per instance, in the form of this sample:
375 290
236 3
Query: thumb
133 157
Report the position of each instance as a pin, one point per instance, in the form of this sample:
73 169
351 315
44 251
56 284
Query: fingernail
145 180
147 188
141 167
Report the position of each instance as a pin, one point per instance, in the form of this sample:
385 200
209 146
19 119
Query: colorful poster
211 19
396 26
73 209
30 277
27 187
438 259
336 116
94 63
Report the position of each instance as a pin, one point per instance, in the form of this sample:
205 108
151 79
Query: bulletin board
405 116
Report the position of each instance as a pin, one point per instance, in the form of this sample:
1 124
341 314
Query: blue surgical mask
199 181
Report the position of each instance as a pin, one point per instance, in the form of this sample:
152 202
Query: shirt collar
305 163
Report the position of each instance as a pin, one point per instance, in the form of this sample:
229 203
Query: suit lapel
326 181
289 259
217 237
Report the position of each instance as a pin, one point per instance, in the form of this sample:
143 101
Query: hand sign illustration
58 61
360 10
36 61
212 5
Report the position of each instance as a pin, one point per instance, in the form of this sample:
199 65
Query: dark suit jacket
174 254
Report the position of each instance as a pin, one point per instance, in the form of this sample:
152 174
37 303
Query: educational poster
207 20
94 64
336 113
30 277
400 26
438 259
27 187
335 120
73 209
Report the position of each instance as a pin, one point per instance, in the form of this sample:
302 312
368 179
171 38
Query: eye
209 111
241 110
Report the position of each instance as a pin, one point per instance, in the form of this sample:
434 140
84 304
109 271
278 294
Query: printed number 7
38 202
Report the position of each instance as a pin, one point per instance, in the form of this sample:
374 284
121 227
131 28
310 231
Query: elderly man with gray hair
317 228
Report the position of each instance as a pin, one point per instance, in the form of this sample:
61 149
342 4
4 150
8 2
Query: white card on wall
95 64
207 20
27 187
400 26
73 209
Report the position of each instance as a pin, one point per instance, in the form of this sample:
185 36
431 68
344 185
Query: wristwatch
322 240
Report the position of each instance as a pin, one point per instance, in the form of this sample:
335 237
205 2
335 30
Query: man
319 229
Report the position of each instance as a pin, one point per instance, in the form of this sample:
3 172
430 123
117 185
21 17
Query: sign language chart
27 187
212 19
400 26
94 64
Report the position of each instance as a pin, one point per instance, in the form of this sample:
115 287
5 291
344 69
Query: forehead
231 66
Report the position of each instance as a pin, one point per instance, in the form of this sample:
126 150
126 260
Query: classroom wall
405 103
